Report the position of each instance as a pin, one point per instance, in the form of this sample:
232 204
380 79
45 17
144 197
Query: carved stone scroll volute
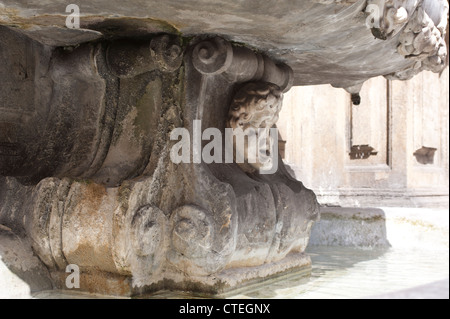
128 58
239 64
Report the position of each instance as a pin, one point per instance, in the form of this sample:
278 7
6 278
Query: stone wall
406 124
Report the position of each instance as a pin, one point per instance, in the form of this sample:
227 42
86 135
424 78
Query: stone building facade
391 150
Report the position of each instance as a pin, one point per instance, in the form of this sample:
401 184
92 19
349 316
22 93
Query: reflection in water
345 272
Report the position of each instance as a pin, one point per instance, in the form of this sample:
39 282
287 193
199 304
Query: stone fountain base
93 187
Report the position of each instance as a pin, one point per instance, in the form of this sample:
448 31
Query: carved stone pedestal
92 181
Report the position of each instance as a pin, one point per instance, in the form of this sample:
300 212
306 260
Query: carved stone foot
92 181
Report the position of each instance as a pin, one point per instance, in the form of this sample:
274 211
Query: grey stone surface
323 41
354 227
21 271
400 228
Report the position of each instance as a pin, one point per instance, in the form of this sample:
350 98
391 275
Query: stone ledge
235 281
228 283
409 228
420 198
354 227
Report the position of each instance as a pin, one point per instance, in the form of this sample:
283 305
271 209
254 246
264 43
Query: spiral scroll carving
166 53
239 64
213 56
129 58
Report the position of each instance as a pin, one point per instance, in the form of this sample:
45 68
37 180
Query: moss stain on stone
146 107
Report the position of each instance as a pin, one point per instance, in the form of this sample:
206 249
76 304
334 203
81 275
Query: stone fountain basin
323 41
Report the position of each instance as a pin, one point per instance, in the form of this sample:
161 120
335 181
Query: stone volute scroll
239 64
128 58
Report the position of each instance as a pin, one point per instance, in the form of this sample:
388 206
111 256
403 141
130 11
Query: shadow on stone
21 272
